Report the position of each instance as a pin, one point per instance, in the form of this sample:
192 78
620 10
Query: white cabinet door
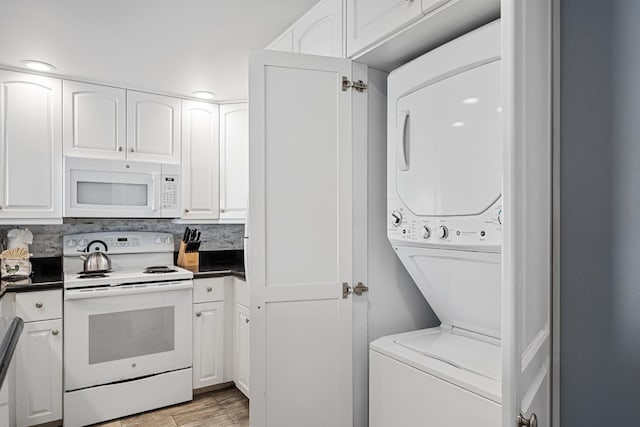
283 43
241 354
153 127
299 245
208 339
527 248
234 160
30 147
200 161
39 373
319 31
369 21
94 120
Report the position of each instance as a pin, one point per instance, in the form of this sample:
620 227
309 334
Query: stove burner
92 275
159 269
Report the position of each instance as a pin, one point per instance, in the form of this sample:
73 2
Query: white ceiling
171 46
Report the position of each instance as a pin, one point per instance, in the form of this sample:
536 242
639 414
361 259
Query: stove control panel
119 242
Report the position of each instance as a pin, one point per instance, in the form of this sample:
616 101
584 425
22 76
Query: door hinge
358 290
527 422
346 290
360 86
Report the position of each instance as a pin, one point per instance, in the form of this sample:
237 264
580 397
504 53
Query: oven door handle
121 290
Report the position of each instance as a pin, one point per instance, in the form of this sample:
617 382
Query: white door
319 31
208 338
234 160
300 240
30 146
39 373
527 211
94 120
242 349
371 20
200 161
153 127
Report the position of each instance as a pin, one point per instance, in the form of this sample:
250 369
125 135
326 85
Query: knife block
188 260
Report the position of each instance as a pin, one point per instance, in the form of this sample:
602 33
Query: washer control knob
71 243
82 242
426 232
443 232
158 240
396 218
167 240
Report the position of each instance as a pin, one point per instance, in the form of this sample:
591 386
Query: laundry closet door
527 273
300 240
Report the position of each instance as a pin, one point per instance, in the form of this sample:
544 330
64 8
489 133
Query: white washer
445 224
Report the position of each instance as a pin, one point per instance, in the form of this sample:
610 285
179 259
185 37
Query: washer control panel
482 232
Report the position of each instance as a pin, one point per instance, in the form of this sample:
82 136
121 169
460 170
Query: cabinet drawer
210 289
34 306
242 291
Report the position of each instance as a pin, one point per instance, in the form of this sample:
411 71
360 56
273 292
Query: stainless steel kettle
97 261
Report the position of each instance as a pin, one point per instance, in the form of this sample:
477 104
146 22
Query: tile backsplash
47 239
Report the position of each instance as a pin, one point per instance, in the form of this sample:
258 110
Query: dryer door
448 144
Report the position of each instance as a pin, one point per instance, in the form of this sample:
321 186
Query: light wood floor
220 408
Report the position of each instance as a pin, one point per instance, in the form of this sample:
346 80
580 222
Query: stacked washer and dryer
445 223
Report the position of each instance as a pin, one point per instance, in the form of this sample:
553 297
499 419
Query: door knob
209 289
54 332
198 314
527 422
38 305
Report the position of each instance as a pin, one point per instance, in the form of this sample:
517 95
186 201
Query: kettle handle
106 248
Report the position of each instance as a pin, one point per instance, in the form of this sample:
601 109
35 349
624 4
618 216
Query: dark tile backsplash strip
47 239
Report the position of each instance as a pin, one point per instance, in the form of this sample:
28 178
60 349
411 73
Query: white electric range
128 331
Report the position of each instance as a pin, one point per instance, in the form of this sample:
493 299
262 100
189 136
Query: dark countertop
10 330
46 274
220 264
237 272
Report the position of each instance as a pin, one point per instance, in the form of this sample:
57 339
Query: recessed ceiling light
204 94
457 124
499 109
37 65
470 101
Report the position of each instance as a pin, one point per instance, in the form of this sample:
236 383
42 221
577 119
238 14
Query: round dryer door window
449 144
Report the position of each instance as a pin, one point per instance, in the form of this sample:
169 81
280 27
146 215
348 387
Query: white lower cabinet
208 339
39 373
241 343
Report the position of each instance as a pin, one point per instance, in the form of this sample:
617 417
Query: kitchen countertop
47 274
220 263
10 330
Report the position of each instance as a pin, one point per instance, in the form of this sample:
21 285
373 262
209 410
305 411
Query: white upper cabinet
234 160
284 42
30 147
371 20
153 127
94 121
318 32
200 161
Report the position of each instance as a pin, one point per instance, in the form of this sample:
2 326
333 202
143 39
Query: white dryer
445 223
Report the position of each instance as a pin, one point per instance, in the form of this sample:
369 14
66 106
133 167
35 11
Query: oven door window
126 334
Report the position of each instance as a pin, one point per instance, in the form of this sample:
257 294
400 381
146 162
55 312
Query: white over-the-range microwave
96 188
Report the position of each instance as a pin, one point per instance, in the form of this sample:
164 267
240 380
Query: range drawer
42 305
209 289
